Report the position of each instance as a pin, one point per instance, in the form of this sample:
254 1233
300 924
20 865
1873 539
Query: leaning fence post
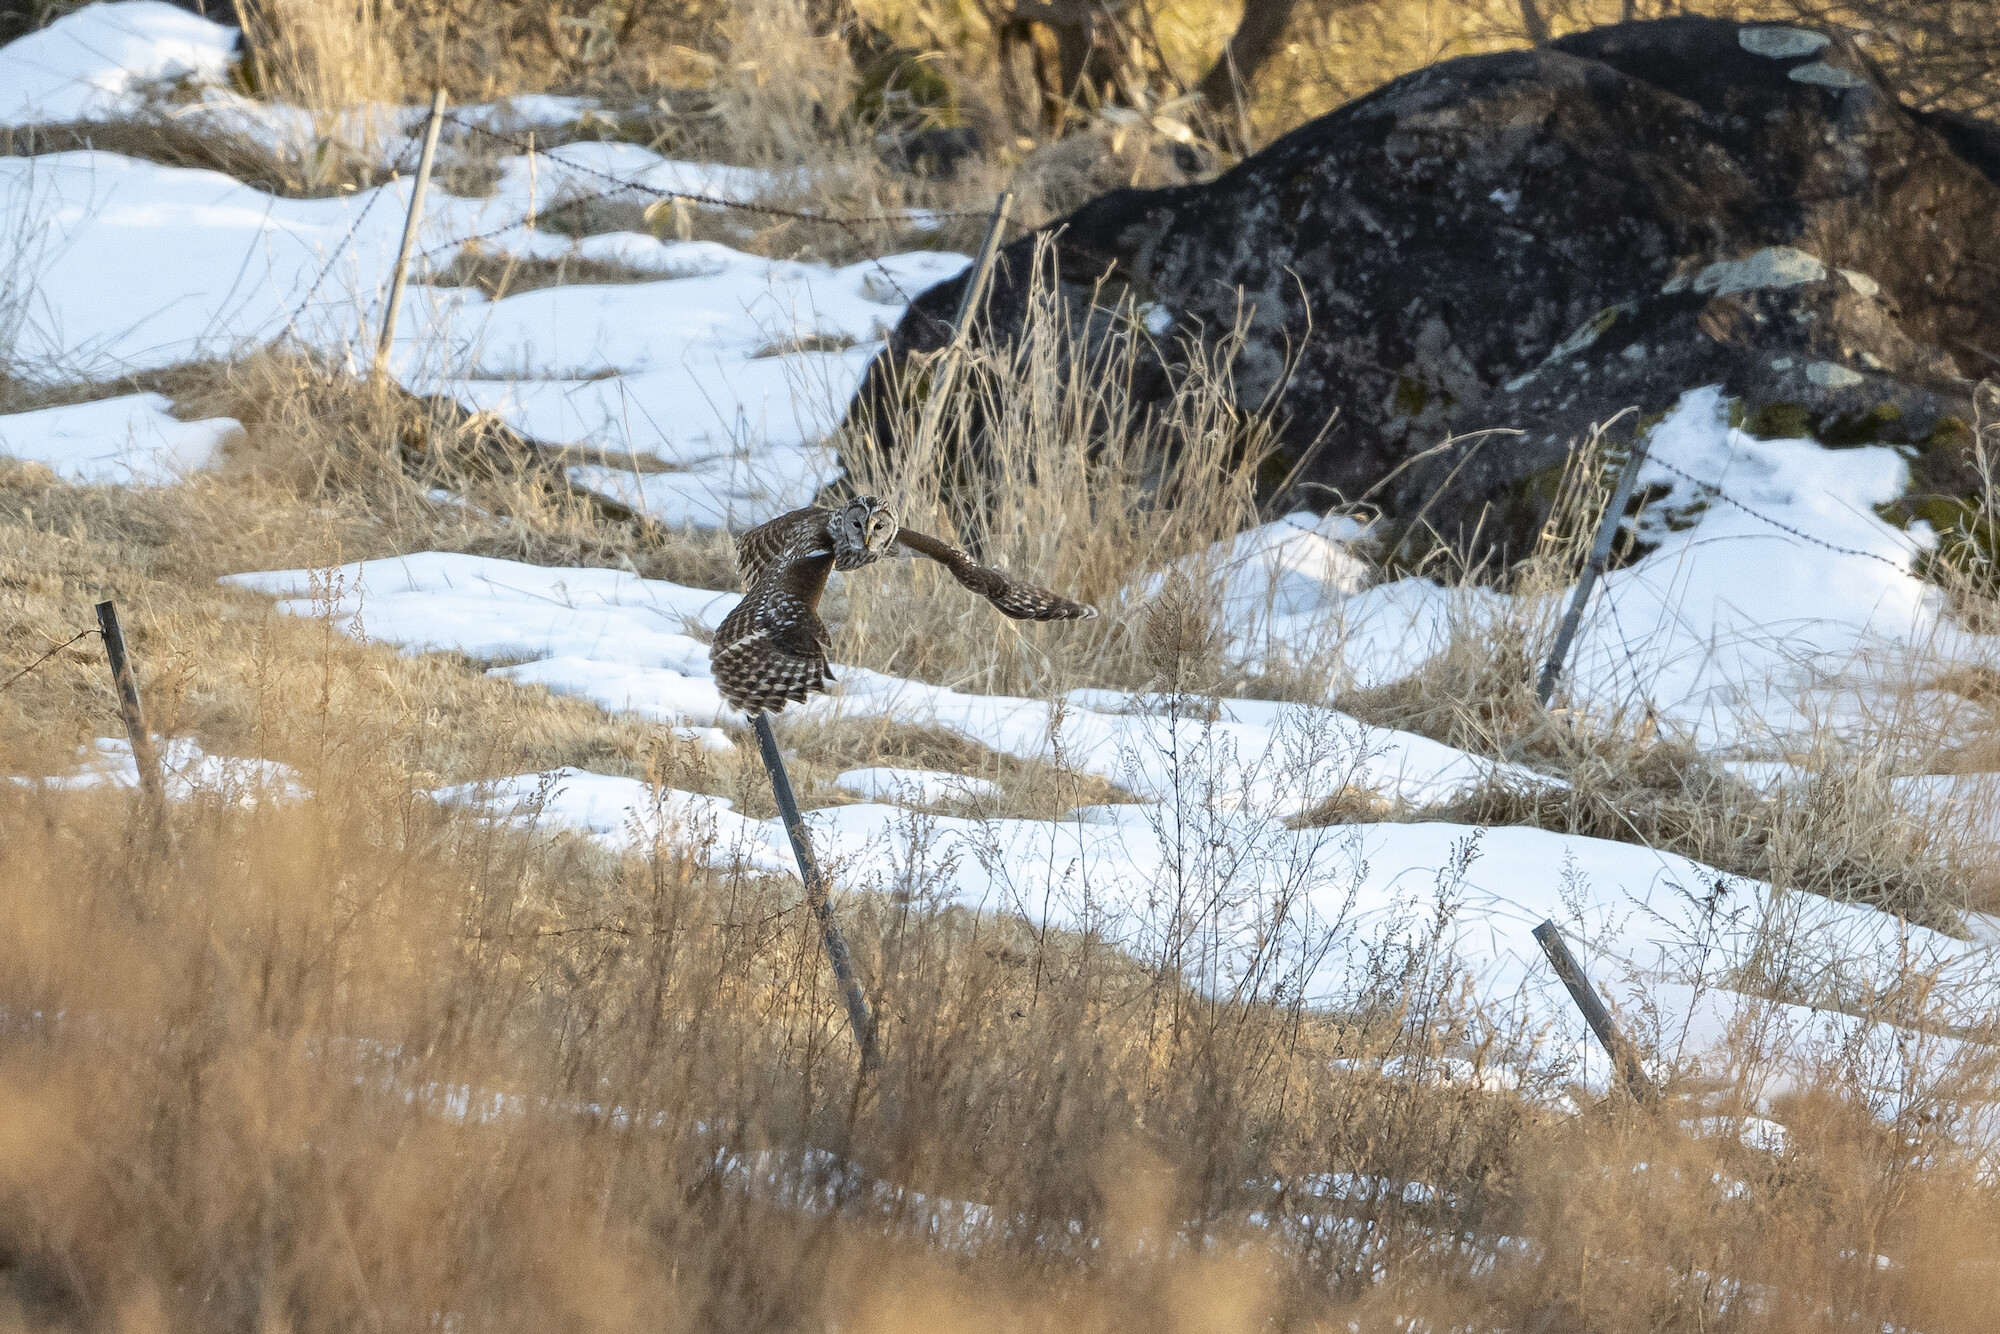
1549 935
968 305
410 226
982 268
127 683
816 894
1593 570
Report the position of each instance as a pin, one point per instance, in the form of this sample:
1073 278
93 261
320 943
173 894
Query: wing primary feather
1013 597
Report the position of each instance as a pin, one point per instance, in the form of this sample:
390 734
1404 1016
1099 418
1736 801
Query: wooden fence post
968 305
410 226
1593 570
858 1017
1623 1057
982 268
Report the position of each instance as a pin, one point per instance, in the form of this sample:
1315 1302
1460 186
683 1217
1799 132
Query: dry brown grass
363 1062
1040 458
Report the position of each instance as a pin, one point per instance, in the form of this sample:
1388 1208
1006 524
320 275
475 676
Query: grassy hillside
360 1056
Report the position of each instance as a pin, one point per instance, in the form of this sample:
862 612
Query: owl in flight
771 649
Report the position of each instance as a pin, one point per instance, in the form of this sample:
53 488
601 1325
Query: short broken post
401 276
1593 570
126 681
816 895
1623 1057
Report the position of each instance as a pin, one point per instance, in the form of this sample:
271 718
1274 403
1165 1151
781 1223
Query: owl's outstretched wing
770 650
1014 597
760 549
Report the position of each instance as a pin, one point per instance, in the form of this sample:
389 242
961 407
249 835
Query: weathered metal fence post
127 683
858 1017
410 225
1593 570
1623 1056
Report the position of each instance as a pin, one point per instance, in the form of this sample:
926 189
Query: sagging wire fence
1597 563
612 188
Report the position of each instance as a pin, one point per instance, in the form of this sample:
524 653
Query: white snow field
714 383
618 639
94 64
914 787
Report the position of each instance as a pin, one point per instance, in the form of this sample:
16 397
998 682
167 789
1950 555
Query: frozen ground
713 381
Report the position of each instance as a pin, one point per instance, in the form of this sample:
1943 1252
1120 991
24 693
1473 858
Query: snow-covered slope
93 64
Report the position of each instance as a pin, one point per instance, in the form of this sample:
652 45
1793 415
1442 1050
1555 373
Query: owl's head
863 531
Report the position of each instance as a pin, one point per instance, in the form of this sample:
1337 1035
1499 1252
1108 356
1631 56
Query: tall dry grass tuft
324 57
1041 457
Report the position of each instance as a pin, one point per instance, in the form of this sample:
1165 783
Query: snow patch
627 814
189 773
127 441
93 64
622 641
914 787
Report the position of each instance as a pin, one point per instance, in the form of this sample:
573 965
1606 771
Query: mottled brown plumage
770 650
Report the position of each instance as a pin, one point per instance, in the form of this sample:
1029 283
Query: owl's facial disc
863 531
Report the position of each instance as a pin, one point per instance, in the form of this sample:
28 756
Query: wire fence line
527 148
1719 494
333 256
79 635
614 186
1603 601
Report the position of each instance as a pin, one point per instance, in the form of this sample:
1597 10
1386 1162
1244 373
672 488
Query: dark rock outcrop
1541 239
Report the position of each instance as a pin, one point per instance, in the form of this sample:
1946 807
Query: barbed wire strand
846 224
81 634
526 148
423 257
1712 489
333 256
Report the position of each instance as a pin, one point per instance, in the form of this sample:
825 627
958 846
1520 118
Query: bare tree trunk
1072 57
1226 86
